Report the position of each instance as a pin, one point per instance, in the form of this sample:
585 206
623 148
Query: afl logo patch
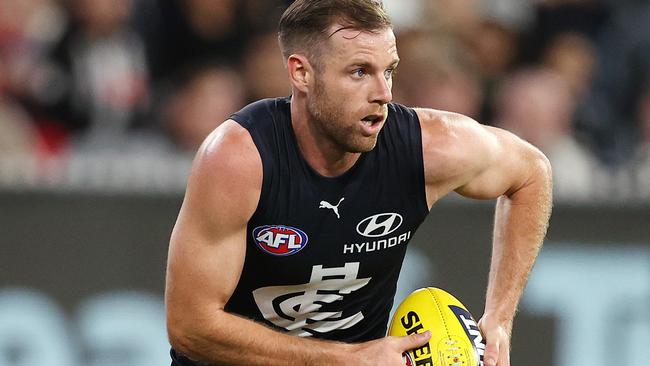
279 239
379 225
408 361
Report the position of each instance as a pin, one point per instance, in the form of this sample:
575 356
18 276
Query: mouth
372 119
371 124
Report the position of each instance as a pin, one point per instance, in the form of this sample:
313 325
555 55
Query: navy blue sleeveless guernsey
323 254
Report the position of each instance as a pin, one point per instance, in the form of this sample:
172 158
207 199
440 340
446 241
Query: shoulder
480 161
453 143
228 150
227 166
230 146
450 127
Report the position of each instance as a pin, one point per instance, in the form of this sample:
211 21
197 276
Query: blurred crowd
133 78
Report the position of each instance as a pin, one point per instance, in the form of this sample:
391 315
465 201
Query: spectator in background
457 18
261 16
28 29
486 33
642 160
407 15
613 103
573 57
187 32
494 49
17 134
639 164
79 68
553 17
264 69
205 97
97 79
437 72
538 106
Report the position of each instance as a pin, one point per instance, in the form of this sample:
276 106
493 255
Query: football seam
442 316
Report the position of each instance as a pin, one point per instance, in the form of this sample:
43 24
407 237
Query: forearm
521 220
231 340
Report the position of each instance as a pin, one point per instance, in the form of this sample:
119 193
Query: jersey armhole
419 152
414 133
247 124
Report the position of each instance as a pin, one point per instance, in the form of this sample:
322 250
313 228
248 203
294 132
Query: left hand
497 337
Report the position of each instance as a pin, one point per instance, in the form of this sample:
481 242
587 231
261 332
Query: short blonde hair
305 24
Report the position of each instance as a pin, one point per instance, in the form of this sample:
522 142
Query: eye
359 73
389 73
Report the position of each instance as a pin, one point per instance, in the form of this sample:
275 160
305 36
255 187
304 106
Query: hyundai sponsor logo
379 225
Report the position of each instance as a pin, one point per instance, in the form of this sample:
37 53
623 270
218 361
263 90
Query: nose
382 91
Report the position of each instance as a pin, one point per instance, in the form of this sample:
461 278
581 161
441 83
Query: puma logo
325 204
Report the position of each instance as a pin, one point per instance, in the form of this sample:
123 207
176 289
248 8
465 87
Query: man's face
348 99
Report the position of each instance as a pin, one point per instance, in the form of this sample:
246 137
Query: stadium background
103 102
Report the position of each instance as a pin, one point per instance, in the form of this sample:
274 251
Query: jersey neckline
303 161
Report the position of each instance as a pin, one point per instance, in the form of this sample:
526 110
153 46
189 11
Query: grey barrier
82 278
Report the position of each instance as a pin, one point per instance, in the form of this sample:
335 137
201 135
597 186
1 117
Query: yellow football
455 337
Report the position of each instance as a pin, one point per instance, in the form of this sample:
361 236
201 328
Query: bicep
208 243
474 160
503 164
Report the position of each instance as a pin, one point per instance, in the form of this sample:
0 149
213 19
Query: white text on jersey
374 245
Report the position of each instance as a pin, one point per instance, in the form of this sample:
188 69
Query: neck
321 153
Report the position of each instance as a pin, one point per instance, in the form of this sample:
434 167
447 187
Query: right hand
388 350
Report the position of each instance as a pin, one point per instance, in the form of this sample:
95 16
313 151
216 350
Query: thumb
491 354
413 341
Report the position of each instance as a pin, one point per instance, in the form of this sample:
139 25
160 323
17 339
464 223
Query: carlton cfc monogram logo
315 307
379 225
279 239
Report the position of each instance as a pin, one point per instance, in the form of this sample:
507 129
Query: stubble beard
328 118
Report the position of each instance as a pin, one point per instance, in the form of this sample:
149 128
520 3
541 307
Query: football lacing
454 357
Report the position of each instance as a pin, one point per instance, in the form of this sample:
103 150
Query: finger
491 354
413 341
504 357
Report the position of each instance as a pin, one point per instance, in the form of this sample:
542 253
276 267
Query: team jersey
323 254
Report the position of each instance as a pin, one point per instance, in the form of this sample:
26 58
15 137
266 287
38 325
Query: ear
300 72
